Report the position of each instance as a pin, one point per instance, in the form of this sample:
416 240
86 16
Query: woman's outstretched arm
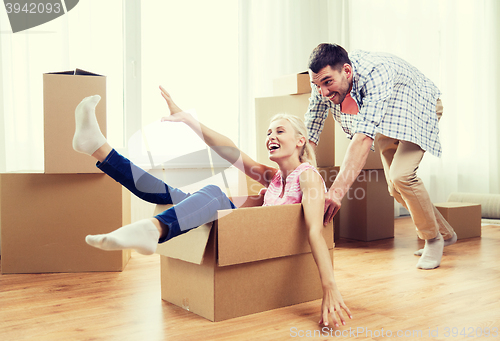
221 144
313 202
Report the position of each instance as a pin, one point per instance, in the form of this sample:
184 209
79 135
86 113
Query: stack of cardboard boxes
45 216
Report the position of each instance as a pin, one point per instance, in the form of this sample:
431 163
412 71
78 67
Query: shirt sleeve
316 115
376 91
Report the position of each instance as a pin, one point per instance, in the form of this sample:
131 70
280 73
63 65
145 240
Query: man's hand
332 305
333 201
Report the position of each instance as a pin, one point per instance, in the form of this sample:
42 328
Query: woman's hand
176 113
332 305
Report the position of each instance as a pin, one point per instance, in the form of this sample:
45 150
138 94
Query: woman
294 181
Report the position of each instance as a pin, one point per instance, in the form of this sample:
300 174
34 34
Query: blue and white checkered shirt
393 97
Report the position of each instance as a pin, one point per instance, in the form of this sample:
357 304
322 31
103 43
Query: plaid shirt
395 100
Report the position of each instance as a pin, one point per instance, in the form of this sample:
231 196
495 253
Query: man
380 95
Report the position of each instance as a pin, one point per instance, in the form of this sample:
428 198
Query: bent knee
213 190
401 180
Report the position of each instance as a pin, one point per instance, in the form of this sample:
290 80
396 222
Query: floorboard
387 295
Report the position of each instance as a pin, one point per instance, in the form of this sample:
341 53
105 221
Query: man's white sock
141 236
88 137
433 251
447 242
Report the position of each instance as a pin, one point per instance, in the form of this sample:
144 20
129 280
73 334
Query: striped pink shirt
292 193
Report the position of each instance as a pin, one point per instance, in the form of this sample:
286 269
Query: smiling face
332 83
282 141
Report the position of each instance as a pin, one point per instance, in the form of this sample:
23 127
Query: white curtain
276 38
453 42
71 41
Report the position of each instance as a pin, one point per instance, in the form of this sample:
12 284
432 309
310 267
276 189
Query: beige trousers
401 160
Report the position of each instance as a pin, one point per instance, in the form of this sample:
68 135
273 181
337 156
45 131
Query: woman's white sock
88 137
141 236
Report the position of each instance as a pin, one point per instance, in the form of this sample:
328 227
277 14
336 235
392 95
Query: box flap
72 72
258 233
81 72
189 247
78 72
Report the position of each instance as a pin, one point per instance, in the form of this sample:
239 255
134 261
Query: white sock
433 251
447 242
141 236
88 137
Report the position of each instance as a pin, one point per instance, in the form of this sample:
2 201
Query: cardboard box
267 107
465 218
45 218
342 142
253 259
295 84
62 92
367 211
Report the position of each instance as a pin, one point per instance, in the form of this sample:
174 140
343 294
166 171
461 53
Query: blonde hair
307 153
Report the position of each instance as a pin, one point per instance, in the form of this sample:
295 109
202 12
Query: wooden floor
385 292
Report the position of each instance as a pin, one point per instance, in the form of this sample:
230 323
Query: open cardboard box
249 260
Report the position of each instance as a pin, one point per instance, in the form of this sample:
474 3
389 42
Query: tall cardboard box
329 174
373 160
465 218
62 92
296 105
45 218
253 259
367 211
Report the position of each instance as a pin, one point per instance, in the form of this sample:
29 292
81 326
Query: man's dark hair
328 54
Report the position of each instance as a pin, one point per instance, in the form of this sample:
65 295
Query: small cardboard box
296 105
45 218
465 218
252 259
62 92
367 211
295 84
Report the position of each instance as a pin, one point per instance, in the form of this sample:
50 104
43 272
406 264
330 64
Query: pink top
292 193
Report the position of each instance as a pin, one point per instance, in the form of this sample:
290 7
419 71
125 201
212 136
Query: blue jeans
190 210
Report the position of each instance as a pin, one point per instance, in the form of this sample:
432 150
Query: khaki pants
401 160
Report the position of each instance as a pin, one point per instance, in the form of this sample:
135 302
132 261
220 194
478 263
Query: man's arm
316 114
353 163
